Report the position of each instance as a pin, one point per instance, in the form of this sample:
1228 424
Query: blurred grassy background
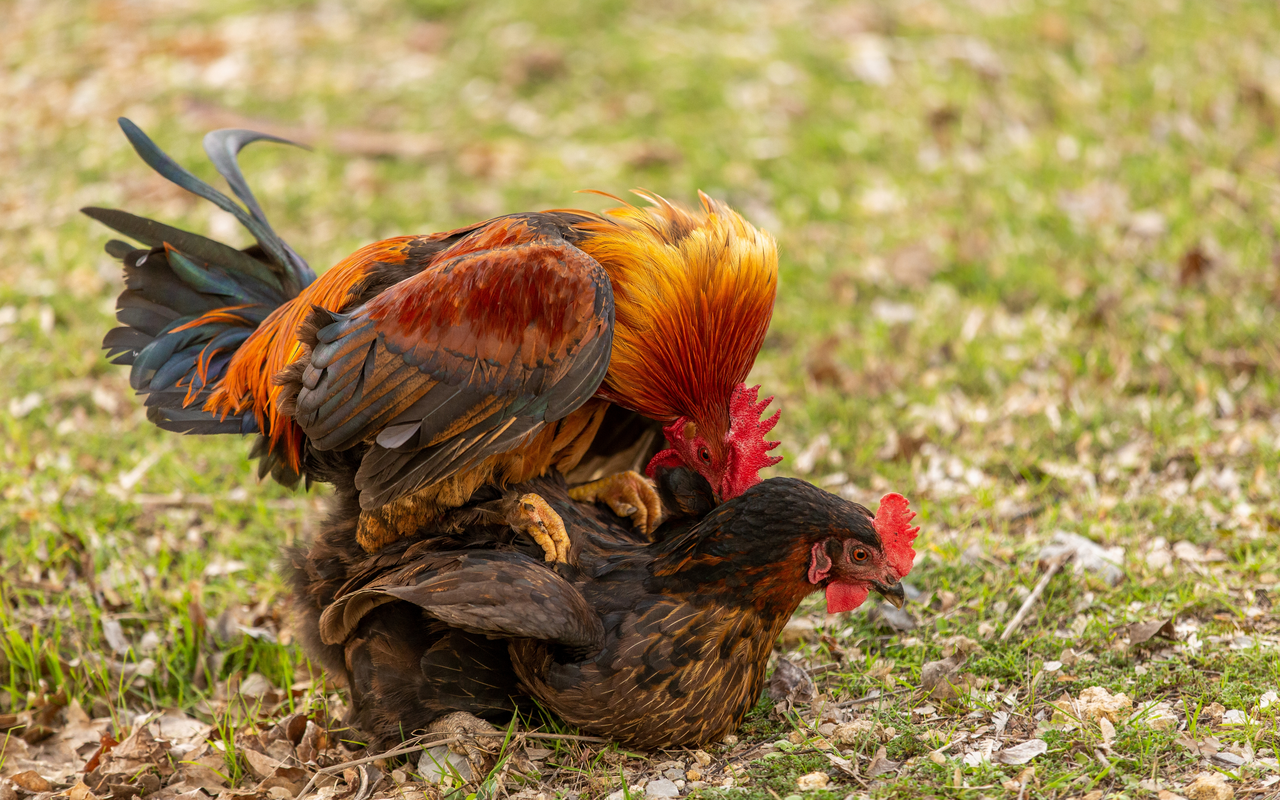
1030 268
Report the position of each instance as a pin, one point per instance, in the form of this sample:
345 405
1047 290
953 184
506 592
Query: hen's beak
893 593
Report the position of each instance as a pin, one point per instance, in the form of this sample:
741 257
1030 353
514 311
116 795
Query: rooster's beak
893 593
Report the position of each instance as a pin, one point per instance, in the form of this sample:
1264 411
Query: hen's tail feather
190 302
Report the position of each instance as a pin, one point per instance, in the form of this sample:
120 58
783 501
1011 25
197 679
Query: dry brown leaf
914 265
845 765
797 630
113 632
202 770
1194 266
1142 632
137 752
942 680
1096 703
1215 711
31 781
826 369
882 765
790 684
960 645
1209 786
1022 753
80 792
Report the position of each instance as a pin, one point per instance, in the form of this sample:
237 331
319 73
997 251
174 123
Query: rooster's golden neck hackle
446 361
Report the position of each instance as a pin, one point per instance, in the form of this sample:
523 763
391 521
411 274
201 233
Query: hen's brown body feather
653 643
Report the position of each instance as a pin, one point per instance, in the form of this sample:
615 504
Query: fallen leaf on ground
1094 703
136 752
913 265
790 684
942 680
1215 711
1157 715
1105 562
1142 632
799 629
895 619
1022 753
1108 731
1235 716
845 765
113 632
31 781
852 732
1195 264
881 765
1208 746
80 792
959 645
1209 786
438 765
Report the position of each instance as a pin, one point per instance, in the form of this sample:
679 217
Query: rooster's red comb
745 426
892 523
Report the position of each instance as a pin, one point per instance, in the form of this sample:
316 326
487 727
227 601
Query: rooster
442 363
655 643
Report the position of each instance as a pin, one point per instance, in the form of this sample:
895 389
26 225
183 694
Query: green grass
987 213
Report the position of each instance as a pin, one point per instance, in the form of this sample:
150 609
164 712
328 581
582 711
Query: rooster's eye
859 555
705 455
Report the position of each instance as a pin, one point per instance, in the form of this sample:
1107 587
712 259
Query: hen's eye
859 555
705 455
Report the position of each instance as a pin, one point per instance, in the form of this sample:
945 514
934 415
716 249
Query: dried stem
1055 566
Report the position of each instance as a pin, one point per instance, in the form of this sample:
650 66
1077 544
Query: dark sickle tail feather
189 302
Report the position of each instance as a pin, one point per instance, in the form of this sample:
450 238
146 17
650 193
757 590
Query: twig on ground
566 736
1055 566
413 745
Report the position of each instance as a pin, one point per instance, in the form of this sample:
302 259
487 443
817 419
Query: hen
659 643
442 363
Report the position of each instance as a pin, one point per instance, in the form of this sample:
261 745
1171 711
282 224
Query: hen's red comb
745 426
891 522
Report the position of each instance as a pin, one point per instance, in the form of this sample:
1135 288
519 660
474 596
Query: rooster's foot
535 518
479 751
629 494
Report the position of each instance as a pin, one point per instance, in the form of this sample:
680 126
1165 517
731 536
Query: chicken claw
629 494
463 726
535 518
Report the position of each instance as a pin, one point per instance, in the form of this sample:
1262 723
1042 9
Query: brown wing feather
509 329
501 594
